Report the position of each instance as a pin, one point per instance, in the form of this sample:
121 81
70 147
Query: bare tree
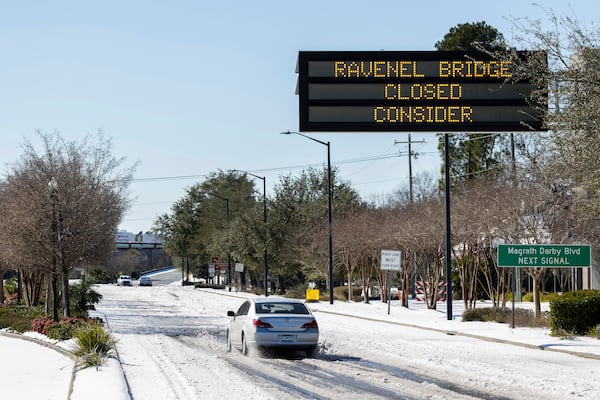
65 203
426 229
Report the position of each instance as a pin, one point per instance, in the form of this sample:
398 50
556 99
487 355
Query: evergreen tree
473 155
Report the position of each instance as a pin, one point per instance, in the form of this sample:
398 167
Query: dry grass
523 317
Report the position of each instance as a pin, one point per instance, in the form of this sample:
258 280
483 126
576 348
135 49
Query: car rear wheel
245 349
311 351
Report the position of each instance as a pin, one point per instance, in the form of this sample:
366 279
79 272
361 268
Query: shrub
594 332
59 331
256 290
18 317
40 325
488 314
576 312
208 286
93 345
298 292
523 317
11 285
65 329
83 298
544 297
97 275
563 334
527 297
341 293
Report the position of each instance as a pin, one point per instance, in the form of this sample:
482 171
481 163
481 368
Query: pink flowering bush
40 325
62 330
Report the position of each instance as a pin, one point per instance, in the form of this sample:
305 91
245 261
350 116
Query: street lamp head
53 186
251 174
308 137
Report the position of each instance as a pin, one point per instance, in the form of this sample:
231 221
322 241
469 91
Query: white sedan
273 322
124 280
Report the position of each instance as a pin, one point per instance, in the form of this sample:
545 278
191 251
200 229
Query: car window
281 308
243 310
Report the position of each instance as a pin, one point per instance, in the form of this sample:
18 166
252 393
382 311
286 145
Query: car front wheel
228 342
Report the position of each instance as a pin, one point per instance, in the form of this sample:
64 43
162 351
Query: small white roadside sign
391 259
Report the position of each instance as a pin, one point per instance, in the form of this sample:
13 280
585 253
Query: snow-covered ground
172 346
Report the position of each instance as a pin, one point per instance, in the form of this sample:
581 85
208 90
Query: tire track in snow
145 354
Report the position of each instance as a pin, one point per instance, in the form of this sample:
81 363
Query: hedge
576 312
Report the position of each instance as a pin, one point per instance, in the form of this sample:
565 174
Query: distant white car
124 280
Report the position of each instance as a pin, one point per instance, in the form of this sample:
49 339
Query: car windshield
281 308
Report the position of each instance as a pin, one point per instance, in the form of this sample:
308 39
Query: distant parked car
145 281
124 280
273 322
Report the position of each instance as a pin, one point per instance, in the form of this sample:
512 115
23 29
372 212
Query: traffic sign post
542 256
391 260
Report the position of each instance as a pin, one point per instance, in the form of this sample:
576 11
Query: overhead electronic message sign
412 91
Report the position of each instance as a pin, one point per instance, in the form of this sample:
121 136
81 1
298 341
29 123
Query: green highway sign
544 255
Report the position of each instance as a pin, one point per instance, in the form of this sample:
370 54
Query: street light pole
228 249
264 179
52 187
328 206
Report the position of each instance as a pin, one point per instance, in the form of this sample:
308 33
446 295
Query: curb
116 355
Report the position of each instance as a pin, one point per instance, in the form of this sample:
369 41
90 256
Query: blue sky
192 87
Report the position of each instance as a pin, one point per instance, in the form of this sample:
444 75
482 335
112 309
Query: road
172 346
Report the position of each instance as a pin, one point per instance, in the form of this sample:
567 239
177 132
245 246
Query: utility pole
410 156
410 194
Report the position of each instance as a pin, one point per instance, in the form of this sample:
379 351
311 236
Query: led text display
412 91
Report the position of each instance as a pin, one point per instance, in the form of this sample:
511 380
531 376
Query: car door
237 324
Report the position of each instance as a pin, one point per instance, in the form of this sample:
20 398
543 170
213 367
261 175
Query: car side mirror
230 313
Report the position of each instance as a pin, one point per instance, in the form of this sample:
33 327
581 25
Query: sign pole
515 273
389 279
448 230
390 260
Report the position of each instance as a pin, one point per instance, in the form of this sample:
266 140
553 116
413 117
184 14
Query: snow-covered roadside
209 306
42 368
30 370
417 315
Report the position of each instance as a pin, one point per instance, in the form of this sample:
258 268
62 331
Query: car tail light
311 324
261 324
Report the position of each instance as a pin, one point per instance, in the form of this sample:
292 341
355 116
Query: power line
275 169
168 178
